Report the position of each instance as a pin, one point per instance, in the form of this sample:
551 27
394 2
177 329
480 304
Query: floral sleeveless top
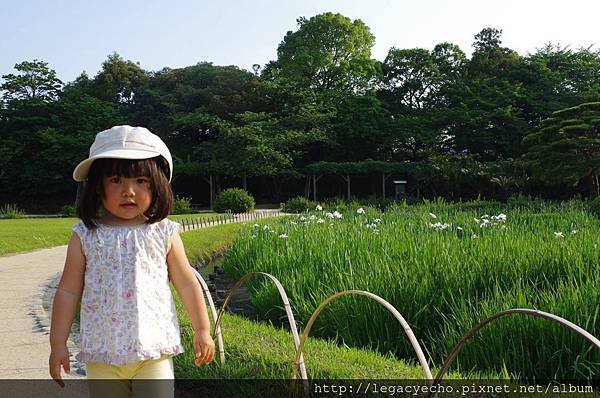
127 309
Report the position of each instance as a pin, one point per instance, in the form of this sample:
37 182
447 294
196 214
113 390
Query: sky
74 36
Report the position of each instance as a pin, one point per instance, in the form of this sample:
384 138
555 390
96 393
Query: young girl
120 259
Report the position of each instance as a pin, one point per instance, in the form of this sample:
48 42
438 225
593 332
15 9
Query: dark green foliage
567 147
523 202
35 81
299 204
182 206
327 52
234 200
68 211
593 207
452 125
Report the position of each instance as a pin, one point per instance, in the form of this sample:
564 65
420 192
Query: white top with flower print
127 309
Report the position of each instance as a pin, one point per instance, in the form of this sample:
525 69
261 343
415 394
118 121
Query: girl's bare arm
192 297
67 294
187 286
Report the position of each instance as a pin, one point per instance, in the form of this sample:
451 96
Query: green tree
357 129
327 52
411 79
558 77
487 102
183 105
119 80
257 144
566 149
415 86
36 81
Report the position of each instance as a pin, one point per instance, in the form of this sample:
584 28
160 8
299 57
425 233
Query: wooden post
348 176
347 179
315 179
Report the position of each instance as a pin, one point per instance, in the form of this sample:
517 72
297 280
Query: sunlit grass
26 234
444 268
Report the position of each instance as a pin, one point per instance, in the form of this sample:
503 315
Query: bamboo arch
213 310
299 342
500 314
387 305
299 362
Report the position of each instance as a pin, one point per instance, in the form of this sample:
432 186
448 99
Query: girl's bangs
127 168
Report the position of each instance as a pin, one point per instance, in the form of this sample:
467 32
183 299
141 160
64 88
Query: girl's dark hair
90 192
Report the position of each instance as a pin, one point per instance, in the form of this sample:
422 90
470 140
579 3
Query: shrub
335 203
11 211
299 204
343 205
594 207
380 203
68 211
235 200
520 201
182 206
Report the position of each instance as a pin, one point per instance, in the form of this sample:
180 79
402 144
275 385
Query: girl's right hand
58 356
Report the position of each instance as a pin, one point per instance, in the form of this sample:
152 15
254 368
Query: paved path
27 285
26 281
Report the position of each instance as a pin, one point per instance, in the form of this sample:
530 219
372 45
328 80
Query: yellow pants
136 380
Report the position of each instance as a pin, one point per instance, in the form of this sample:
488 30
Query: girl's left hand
204 347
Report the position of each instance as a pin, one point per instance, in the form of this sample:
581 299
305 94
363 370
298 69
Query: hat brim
81 171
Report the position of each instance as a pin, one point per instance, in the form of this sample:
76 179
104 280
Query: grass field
26 234
444 267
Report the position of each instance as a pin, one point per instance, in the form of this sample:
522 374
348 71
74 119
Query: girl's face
126 199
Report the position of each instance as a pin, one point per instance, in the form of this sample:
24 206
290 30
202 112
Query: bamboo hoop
387 305
217 329
500 314
299 362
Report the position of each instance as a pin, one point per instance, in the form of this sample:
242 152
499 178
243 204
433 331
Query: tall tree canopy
119 80
459 121
327 52
567 147
36 81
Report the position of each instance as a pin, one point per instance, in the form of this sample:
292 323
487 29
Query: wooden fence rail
192 223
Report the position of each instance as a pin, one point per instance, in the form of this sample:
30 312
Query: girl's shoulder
165 226
169 227
80 229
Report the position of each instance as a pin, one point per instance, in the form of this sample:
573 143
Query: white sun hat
124 142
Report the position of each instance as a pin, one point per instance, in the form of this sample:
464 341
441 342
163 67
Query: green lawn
27 234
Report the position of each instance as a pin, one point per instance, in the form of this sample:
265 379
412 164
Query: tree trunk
348 177
307 188
315 179
244 182
211 193
276 189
